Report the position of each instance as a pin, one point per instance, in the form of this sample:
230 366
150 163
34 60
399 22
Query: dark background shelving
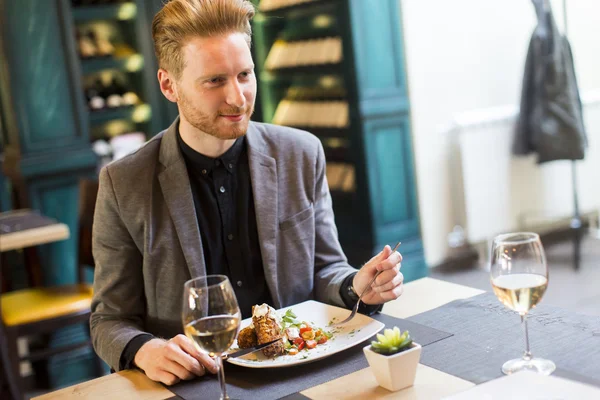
376 144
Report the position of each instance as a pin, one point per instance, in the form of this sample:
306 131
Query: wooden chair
43 310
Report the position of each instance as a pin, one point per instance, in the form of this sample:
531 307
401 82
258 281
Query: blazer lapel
263 176
176 189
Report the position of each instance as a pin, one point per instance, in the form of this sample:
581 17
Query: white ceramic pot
397 371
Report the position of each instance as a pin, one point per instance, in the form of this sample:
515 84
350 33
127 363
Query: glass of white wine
519 275
211 317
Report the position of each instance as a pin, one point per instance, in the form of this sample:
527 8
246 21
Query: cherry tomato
311 344
322 339
301 345
298 340
305 329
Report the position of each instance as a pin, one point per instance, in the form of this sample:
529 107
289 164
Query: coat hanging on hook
550 121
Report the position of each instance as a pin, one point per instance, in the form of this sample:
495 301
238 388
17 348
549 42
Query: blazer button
239 283
222 189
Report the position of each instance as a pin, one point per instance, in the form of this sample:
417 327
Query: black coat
550 122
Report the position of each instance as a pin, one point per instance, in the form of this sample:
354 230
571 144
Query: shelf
321 132
322 98
132 63
120 12
319 69
138 114
308 5
337 154
341 196
292 37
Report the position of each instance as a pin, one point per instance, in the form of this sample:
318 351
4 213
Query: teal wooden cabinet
46 134
46 140
47 125
374 195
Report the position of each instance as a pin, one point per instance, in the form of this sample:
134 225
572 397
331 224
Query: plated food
267 325
308 314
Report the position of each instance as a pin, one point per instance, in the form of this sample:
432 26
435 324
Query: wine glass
519 275
211 317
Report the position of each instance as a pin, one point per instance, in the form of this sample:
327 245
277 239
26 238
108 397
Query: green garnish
289 320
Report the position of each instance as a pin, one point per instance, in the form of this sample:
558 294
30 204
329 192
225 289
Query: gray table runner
486 334
23 220
275 383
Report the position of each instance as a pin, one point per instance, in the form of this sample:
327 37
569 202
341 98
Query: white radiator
495 192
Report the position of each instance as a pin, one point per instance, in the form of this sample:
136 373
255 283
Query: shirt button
239 283
217 162
230 236
204 172
222 189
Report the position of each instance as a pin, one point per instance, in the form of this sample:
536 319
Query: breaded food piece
267 329
247 338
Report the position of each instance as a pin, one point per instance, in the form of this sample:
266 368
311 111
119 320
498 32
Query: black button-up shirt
222 192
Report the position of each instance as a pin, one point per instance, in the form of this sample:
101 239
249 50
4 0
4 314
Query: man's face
217 88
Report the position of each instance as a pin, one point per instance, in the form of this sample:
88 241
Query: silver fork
365 290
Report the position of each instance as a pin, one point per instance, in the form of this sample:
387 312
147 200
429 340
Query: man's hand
171 361
388 285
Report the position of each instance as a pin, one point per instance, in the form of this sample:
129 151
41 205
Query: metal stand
576 224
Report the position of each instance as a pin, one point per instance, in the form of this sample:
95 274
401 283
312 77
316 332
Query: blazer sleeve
331 264
523 136
118 304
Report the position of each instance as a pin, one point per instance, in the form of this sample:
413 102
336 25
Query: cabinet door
388 154
378 55
44 76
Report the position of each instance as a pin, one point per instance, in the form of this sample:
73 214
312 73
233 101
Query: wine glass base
538 365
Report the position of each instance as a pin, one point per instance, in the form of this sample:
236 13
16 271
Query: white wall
463 55
495 192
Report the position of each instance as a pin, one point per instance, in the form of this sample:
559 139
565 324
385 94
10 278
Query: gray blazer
146 240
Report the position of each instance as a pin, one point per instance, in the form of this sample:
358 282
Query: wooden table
51 232
419 296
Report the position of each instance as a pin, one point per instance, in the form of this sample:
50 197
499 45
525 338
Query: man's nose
235 95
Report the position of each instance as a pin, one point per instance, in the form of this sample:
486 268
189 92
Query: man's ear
167 85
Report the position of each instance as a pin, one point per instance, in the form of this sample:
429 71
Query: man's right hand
171 361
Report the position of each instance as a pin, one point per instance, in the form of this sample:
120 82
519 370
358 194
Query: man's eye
216 80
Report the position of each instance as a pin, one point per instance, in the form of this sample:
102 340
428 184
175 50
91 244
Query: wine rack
335 68
118 82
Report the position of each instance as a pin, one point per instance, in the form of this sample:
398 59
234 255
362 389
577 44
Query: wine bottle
113 98
94 99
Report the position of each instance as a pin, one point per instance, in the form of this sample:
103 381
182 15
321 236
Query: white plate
319 315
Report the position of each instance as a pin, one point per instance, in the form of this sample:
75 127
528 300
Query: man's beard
210 124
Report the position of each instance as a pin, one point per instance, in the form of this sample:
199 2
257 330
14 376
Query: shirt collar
229 159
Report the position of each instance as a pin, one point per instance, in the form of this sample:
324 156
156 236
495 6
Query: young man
214 193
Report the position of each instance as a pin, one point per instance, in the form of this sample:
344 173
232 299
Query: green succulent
391 342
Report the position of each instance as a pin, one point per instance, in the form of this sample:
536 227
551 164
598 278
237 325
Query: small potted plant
393 358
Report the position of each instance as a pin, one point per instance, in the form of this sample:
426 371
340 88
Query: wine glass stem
527 355
221 373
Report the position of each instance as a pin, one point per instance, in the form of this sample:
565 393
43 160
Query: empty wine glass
519 275
211 317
